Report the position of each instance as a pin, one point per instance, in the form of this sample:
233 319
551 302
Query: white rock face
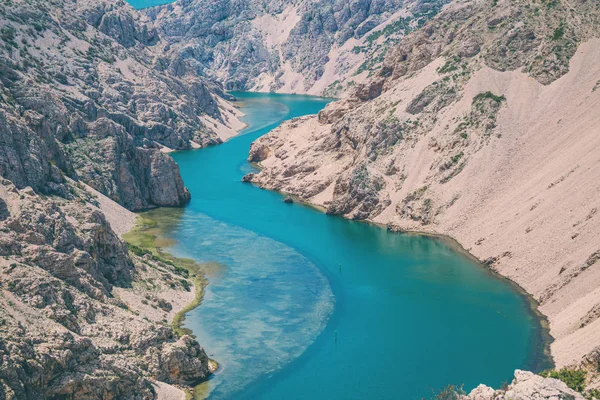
306 46
527 386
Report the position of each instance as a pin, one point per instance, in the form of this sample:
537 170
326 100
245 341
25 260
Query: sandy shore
164 391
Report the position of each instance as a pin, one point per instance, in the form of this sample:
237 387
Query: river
307 305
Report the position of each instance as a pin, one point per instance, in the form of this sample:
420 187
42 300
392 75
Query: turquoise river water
308 305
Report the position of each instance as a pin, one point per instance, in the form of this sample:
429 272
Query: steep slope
301 46
482 125
83 100
80 95
64 331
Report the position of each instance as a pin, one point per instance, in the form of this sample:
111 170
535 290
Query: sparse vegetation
450 65
559 32
574 378
145 241
488 95
456 158
450 392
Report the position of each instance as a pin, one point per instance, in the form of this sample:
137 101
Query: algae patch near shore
147 239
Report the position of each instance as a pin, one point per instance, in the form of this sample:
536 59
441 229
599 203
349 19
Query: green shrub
574 378
488 95
558 32
457 157
138 251
593 394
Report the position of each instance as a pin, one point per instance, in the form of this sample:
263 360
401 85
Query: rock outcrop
63 331
286 46
526 385
480 125
83 94
84 99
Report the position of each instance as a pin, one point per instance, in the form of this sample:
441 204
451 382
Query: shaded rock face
63 334
81 96
133 176
118 22
358 195
258 153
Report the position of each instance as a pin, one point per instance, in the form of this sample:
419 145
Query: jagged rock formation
481 125
63 332
84 99
526 385
282 45
83 95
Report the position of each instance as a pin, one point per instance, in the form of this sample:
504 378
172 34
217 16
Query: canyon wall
317 47
86 103
482 125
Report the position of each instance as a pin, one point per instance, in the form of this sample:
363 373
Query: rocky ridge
82 94
479 125
85 100
64 333
317 47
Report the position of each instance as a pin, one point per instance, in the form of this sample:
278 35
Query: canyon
474 119
479 126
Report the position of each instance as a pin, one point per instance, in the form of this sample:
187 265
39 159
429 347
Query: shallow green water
314 306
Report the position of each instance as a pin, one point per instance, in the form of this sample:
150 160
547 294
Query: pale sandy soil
276 28
529 197
168 392
121 220
231 125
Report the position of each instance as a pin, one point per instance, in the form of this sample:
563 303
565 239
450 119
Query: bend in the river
313 306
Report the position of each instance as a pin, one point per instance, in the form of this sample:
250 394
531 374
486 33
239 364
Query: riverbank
524 202
154 297
146 237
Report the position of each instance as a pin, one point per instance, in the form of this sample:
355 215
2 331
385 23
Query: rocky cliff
64 331
286 46
85 100
481 125
84 95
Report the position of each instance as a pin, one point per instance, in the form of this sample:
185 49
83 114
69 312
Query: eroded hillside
82 95
85 101
317 47
481 125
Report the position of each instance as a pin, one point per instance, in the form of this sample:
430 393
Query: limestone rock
239 43
102 115
527 386
63 332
